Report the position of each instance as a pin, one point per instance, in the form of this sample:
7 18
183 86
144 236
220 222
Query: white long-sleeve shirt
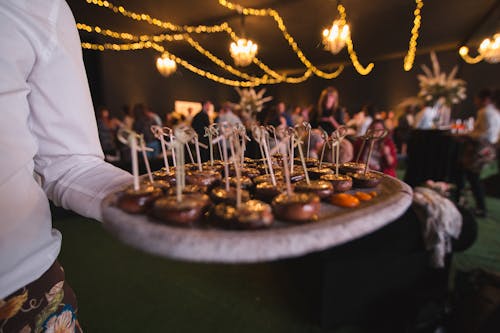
49 147
487 125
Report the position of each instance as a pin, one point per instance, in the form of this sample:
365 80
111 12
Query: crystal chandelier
490 49
243 52
334 39
165 65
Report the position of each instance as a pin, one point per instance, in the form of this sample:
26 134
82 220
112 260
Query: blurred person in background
142 125
329 115
281 107
479 146
200 121
154 116
226 115
383 158
275 118
297 117
107 128
405 124
128 117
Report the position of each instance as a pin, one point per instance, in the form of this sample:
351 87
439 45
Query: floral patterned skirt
45 305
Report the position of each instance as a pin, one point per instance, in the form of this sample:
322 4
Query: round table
203 243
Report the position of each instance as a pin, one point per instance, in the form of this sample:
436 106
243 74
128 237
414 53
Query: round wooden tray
335 226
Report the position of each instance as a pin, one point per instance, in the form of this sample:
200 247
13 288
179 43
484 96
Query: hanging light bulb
334 39
243 52
490 49
165 65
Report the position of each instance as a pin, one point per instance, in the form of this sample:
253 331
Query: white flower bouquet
436 86
251 102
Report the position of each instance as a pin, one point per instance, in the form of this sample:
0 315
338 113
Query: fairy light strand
223 27
151 45
464 53
157 22
282 27
177 37
211 76
350 47
412 47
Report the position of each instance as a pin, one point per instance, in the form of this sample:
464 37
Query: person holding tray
49 150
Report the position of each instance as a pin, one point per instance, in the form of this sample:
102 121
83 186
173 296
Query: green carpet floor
123 290
485 253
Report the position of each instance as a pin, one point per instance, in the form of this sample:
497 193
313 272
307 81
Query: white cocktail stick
135 161
160 134
129 138
308 127
268 156
144 149
197 146
302 160
283 147
208 133
324 135
234 141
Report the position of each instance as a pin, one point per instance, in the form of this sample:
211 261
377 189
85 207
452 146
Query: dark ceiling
380 29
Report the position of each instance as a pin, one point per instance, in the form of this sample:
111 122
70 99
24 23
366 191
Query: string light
152 45
199 48
218 61
129 36
291 41
464 53
159 23
186 37
223 27
412 48
350 47
163 38
275 74
264 79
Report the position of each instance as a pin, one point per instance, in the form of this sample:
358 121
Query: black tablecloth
432 154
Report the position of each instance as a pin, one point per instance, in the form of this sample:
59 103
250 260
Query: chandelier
243 52
490 49
165 65
334 39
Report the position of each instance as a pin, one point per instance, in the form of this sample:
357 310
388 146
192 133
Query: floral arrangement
436 86
251 102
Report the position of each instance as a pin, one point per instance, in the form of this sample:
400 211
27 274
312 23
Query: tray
335 226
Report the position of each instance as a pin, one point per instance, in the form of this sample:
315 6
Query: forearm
80 183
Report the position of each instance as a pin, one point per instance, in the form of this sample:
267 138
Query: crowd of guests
324 118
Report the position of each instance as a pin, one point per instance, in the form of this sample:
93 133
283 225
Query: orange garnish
363 196
344 200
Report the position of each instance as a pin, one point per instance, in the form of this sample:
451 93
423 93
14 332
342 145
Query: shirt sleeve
69 157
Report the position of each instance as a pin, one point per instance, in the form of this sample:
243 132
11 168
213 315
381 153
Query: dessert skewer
159 133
